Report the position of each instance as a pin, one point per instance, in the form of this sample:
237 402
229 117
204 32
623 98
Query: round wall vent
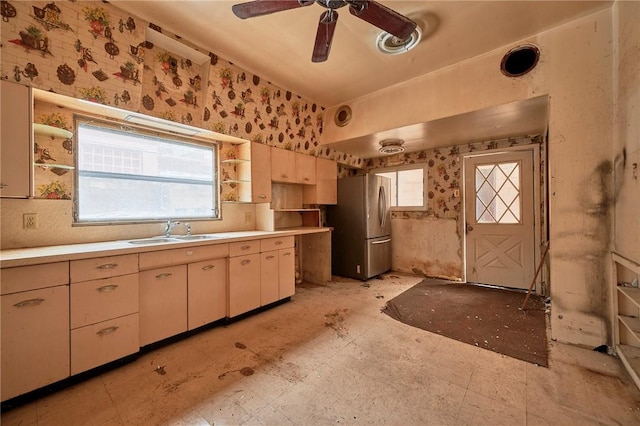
391 146
520 60
342 116
392 45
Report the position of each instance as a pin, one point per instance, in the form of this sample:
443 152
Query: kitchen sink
152 241
193 237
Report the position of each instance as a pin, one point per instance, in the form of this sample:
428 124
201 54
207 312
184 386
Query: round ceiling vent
342 116
391 146
392 45
520 60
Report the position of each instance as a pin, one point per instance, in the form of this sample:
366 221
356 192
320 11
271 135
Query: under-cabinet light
160 124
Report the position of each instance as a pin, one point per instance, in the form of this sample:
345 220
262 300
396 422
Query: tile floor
330 357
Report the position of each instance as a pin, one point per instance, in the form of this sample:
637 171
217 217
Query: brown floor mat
483 316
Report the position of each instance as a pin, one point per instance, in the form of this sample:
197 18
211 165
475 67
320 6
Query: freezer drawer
378 255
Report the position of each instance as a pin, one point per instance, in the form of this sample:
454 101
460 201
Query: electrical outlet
30 221
247 217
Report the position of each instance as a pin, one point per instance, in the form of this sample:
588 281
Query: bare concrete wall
576 71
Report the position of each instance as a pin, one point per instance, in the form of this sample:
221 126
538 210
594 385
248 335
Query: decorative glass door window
498 193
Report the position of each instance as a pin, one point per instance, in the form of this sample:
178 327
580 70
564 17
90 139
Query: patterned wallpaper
444 172
92 50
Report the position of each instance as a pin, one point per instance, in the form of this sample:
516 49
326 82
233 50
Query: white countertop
35 255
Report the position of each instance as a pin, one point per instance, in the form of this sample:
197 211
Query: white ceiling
278 47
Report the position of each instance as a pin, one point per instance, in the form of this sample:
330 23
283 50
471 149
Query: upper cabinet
305 169
16 141
325 191
283 165
260 173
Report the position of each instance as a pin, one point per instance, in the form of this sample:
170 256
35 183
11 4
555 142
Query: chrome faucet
169 227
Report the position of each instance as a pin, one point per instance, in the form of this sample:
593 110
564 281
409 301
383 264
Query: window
407 187
133 175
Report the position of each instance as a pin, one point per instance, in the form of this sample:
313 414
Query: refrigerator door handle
388 240
382 204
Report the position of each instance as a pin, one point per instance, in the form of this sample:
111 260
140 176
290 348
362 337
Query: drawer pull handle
108 266
270 257
284 176
163 276
307 179
262 196
278 242
247 247
190 253
3 185
206 268
107 288
107 330
287 253
245 262
29 302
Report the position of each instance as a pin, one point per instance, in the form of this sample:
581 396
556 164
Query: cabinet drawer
103 342
100 300
241 248
180 256
269 244
103 267
25 278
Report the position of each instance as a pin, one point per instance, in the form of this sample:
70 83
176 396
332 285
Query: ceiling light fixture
391 146
391 45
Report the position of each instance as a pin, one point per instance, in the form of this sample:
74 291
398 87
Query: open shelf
54 132
626 310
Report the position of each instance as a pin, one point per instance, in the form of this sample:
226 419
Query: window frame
425 179
116 124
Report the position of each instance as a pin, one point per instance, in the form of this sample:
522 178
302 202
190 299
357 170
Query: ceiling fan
367 10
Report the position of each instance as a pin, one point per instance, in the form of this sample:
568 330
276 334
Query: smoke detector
391 45
391 146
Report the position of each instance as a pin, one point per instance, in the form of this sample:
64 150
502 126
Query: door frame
537 207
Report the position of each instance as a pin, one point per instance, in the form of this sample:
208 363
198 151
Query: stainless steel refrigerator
361 239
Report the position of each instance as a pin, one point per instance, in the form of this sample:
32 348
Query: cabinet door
283 165
163 303
35 339
15 141
286 273
207 295
260 173
269 286
244 284
305 169
325 191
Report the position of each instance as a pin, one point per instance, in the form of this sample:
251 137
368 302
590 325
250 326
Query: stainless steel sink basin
152 241
193 237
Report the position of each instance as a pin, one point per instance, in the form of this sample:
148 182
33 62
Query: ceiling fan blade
382 17
324 35
265 7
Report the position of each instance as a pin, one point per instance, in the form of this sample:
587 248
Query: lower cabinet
269 285
286 272
35 339
163 303
207 292
244 284
104 321
103 342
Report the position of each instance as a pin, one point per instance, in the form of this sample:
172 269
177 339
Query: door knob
469 228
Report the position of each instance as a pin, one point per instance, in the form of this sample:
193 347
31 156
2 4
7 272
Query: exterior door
499 219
